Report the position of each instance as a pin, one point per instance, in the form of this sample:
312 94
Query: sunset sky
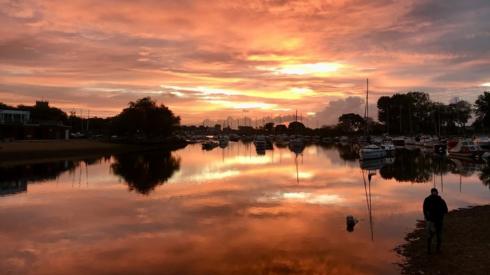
212 59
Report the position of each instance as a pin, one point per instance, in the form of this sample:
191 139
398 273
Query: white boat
388 147
423 141
483 142
373 164
410 141
399 142
377 140
464 148
371 152
427 142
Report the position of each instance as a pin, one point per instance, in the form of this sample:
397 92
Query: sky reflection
221 212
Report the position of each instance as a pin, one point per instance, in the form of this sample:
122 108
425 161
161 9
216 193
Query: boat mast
366 110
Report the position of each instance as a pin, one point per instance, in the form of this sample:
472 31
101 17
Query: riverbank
46 150
465 247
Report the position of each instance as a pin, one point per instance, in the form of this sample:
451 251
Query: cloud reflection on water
260 220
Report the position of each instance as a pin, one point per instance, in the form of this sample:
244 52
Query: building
14 117
19 125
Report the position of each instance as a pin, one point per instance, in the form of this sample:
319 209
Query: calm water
226 211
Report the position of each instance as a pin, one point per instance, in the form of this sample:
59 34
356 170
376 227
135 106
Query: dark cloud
335 108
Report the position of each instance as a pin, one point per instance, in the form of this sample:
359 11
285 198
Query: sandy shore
44 150
465 247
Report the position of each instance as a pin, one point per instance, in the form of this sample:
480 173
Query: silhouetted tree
347 152
269 126
351 123
6 107
296 127
461 111
280 129
43 112
485 175
143 172
482 111
412 166
414 112
36 172
144 117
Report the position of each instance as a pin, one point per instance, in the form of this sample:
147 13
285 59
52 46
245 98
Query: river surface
225 211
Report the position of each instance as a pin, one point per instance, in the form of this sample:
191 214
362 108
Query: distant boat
297 145
223 140
464 148
389 147
209 145
327 140
399 142
282 141
234 137
268 143
247 138
260 143
440 147
372 164
371 152
344 140
483 142
424 141
410 141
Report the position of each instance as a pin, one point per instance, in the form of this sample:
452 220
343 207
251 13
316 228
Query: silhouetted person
351 222
434 210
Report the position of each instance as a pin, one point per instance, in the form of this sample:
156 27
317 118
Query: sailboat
370 151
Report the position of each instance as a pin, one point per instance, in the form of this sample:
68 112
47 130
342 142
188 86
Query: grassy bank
465 246
45 150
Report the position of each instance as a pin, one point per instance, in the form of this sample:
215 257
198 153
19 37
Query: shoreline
32 151
465 245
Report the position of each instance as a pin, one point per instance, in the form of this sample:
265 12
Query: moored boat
483 142
464 148
209 145
260 143
388 147
297 145
234 137
399 142
371 152
223 140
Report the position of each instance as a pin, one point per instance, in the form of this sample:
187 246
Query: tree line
143 118
409 113
414 113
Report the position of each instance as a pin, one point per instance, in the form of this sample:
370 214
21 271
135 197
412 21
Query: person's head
434 191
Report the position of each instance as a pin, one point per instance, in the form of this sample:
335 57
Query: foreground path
465 247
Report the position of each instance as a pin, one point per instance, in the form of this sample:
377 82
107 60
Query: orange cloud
282 54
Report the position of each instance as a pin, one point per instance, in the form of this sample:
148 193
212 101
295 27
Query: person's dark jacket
434 208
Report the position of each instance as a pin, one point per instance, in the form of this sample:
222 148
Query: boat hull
371 154
466 155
